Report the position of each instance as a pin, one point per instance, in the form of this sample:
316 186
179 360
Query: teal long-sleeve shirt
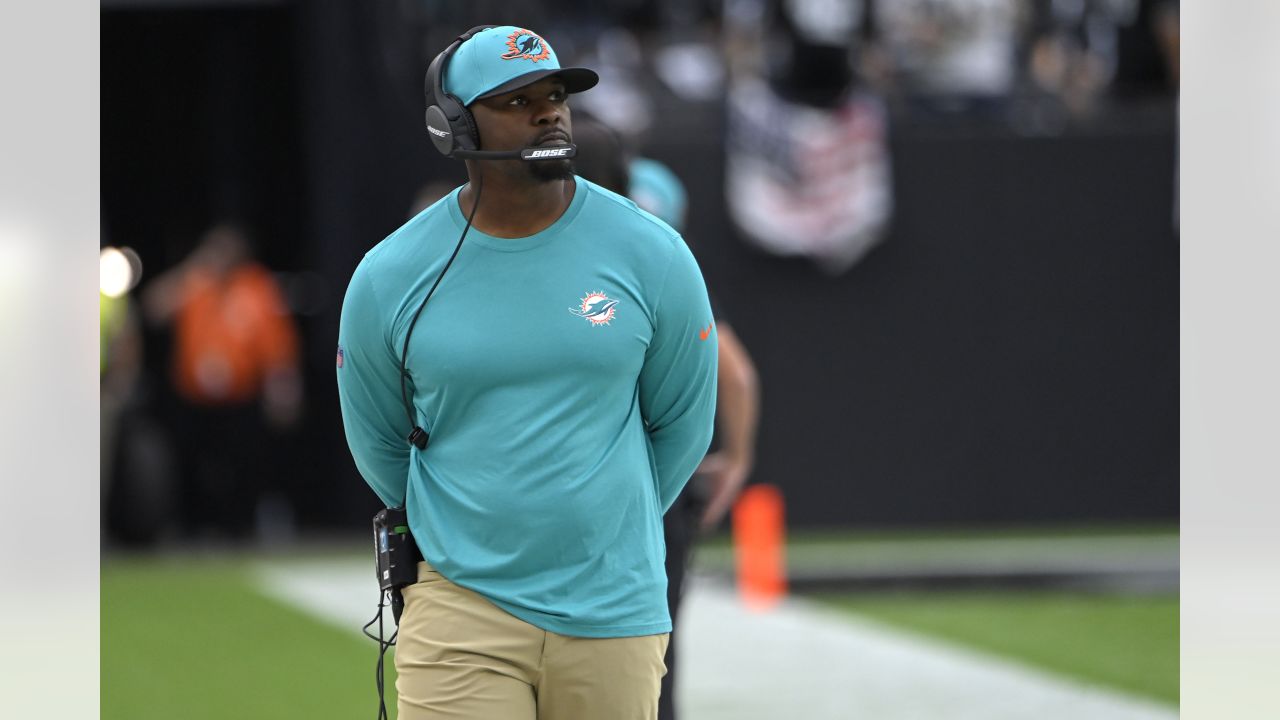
567 380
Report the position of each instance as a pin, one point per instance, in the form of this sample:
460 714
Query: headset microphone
529 154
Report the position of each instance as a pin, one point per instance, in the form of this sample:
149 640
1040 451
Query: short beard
545 171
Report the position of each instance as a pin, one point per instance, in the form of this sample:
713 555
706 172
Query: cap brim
576 80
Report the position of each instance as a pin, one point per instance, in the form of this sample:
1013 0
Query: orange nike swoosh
703 335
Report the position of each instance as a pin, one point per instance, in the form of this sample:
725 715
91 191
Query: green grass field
1125 642
858 550
191 639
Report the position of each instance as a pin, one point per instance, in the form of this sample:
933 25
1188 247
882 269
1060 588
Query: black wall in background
200 122
1009 354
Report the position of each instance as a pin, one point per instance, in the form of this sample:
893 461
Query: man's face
536 114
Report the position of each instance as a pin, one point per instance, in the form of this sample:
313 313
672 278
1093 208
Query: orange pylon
759 542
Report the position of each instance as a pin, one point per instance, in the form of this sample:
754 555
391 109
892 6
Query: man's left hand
725 476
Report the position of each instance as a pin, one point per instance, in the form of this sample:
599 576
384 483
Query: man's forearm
738 401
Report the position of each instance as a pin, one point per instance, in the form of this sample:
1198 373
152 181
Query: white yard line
798 661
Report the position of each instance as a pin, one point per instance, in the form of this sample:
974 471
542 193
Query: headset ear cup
442 132
439 127
472 132
451 124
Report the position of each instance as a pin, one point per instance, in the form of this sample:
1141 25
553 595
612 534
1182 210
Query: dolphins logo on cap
526 45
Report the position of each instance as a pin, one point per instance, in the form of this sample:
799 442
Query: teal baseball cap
504 58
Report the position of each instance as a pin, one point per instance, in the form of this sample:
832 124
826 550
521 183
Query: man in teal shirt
565 372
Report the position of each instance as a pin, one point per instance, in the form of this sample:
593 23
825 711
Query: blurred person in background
235 372
602 158
564 381
135 459
119 366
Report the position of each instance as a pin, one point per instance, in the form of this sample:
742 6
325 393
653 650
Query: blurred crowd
928 57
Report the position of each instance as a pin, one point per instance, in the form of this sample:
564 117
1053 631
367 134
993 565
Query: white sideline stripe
342 592
796 661
801 660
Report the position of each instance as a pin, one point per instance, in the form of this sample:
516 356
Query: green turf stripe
851 552
1128 643
200 643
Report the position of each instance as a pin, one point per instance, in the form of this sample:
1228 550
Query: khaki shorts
460 656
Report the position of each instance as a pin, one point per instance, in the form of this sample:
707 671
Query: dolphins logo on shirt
596 307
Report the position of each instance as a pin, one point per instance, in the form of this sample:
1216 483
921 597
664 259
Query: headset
453 128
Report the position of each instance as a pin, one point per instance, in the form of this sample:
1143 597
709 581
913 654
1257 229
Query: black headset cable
419 437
